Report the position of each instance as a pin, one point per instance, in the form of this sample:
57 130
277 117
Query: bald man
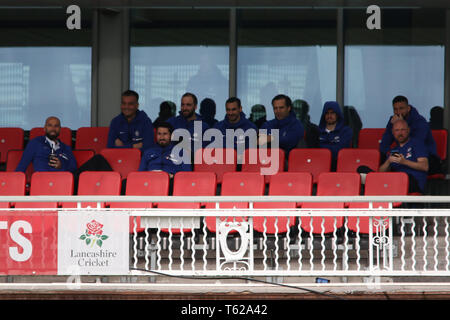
48 153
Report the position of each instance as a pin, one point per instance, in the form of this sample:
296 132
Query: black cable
240 278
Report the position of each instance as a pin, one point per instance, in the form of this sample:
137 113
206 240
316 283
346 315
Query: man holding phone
408 155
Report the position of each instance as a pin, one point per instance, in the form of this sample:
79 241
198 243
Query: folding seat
65 135
190 184
217 160
440 137
11 184
81 156
123 161
13 160
10 139
349 159
256 159
96 183
143 183
283 184
94 138
378 184
370 138
331 184
312 160
238 184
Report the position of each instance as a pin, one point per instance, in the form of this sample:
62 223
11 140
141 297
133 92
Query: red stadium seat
283 184
10 139
350 159
312 160
81 156
216 160
378 184
107 183
65 135
123 161
331 184
13 160
48 184
11 184
262 160
370 138
94 138
238 184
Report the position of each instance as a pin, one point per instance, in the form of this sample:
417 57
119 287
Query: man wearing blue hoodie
132 128
236 119
419 131
334 134
290 128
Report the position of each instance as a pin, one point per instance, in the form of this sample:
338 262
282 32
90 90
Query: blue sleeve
143 164
71 163
149 135
27 157
112 134
419 131
293 136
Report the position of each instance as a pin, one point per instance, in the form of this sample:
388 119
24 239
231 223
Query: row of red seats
205 184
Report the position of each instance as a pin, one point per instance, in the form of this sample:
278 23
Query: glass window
178 51
405 57
287 51
45 69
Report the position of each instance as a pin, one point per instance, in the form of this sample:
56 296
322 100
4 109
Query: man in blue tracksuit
48 153
334 134
160 157
132 128
290 128
419 130
236 119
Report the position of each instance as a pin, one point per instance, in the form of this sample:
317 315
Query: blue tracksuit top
419 129
159 158
340 137
37 152
243 124
290 130
140 129
180 122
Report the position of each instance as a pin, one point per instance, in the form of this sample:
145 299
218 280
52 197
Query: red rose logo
94 228
94 234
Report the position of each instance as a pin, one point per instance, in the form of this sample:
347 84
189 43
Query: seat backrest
81 156
121 160
10 138
13 160
291 184
349 159
256 159
65 135
312 160
370 138
339 184
94 138
440 137
217 160
11 184
241 184
188 183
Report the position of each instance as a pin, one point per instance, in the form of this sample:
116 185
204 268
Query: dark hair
130 93
164 124
400 99
188 94
234 99
287 100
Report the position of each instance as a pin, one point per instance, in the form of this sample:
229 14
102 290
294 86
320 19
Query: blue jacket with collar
160 158
180 122
290 130
140 129
243 124
37 152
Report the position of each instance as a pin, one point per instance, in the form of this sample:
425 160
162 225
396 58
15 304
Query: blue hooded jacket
340 137
180 122
243 124
160 158
291 130
419 130
140 129
37 152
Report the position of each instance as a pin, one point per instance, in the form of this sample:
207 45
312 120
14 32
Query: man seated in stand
408 155
48 153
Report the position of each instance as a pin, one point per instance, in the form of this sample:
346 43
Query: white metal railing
404 242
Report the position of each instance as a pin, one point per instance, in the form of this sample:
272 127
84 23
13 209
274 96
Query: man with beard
408 155
235 119
160 157
48 153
